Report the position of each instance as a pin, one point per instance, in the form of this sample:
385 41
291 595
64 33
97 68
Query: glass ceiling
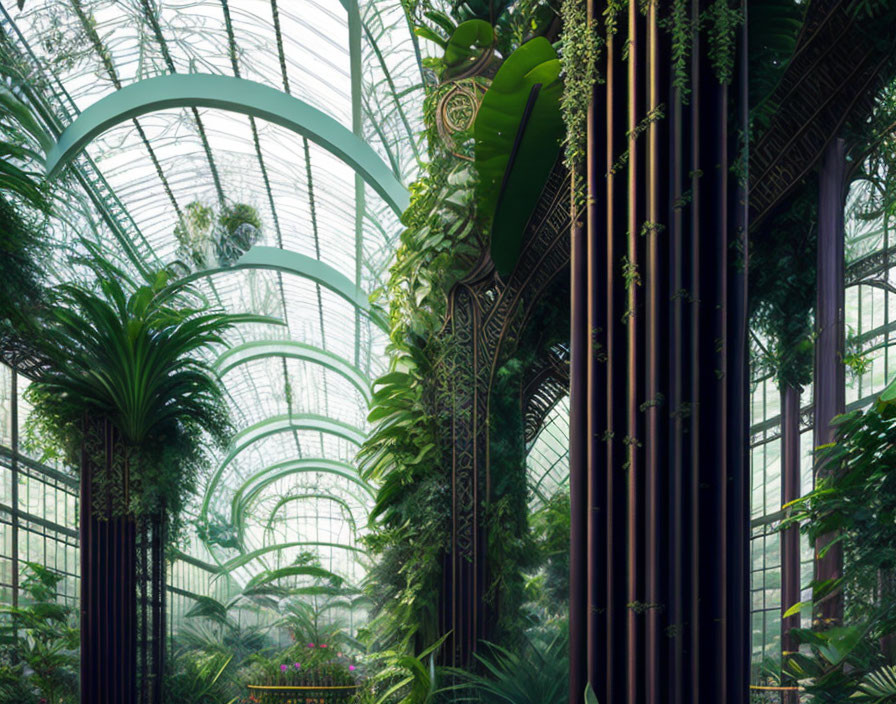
298 392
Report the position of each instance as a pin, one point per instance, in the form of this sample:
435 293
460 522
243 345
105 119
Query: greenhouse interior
435 351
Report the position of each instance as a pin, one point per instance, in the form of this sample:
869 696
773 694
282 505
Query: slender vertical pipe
596 372
614 291
578 615
720 342
790 539
829 371
634 656
677 515
654 689
738 376
14 493
694 414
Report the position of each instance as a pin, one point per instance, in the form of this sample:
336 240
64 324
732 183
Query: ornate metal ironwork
17 353
548 382
486 315
457 110
834 72
872 269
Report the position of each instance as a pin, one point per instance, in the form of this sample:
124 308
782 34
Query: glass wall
870 316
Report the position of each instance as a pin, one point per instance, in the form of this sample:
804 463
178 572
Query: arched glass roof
547 462
298 392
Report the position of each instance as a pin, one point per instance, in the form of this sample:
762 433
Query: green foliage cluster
410 518
410 521
443 239
226 646
856 501
580 52
511 550
551 525
533 673
207 238
782 289
131 353
25 205
42 663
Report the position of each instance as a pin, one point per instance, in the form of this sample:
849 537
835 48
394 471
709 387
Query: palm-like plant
132 353
539 674
878 686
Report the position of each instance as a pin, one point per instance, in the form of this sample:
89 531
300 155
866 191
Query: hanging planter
209 239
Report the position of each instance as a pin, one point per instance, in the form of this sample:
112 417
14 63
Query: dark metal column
108 571
790 491
830 332
666 379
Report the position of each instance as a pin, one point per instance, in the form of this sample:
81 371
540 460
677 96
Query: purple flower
351 668
297 665
284 668
311 645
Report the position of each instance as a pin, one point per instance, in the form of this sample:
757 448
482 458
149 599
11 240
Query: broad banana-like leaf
518 131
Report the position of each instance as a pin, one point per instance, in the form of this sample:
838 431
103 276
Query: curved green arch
272 426
258 349
316 497
242 560
289 262
263 478
234 95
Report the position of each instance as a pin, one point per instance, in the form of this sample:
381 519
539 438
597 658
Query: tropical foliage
225 646
132 353
42 663
446 229
534 674
856 501
24 207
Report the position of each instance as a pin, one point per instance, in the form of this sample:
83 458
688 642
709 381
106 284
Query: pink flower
297 665
323 645
284 668
338 655
311 645
351 668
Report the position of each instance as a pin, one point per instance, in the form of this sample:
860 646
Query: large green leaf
518 131
468 45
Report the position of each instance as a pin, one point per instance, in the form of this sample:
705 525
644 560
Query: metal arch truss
273 426
233 95
258 349
288 262
242 560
